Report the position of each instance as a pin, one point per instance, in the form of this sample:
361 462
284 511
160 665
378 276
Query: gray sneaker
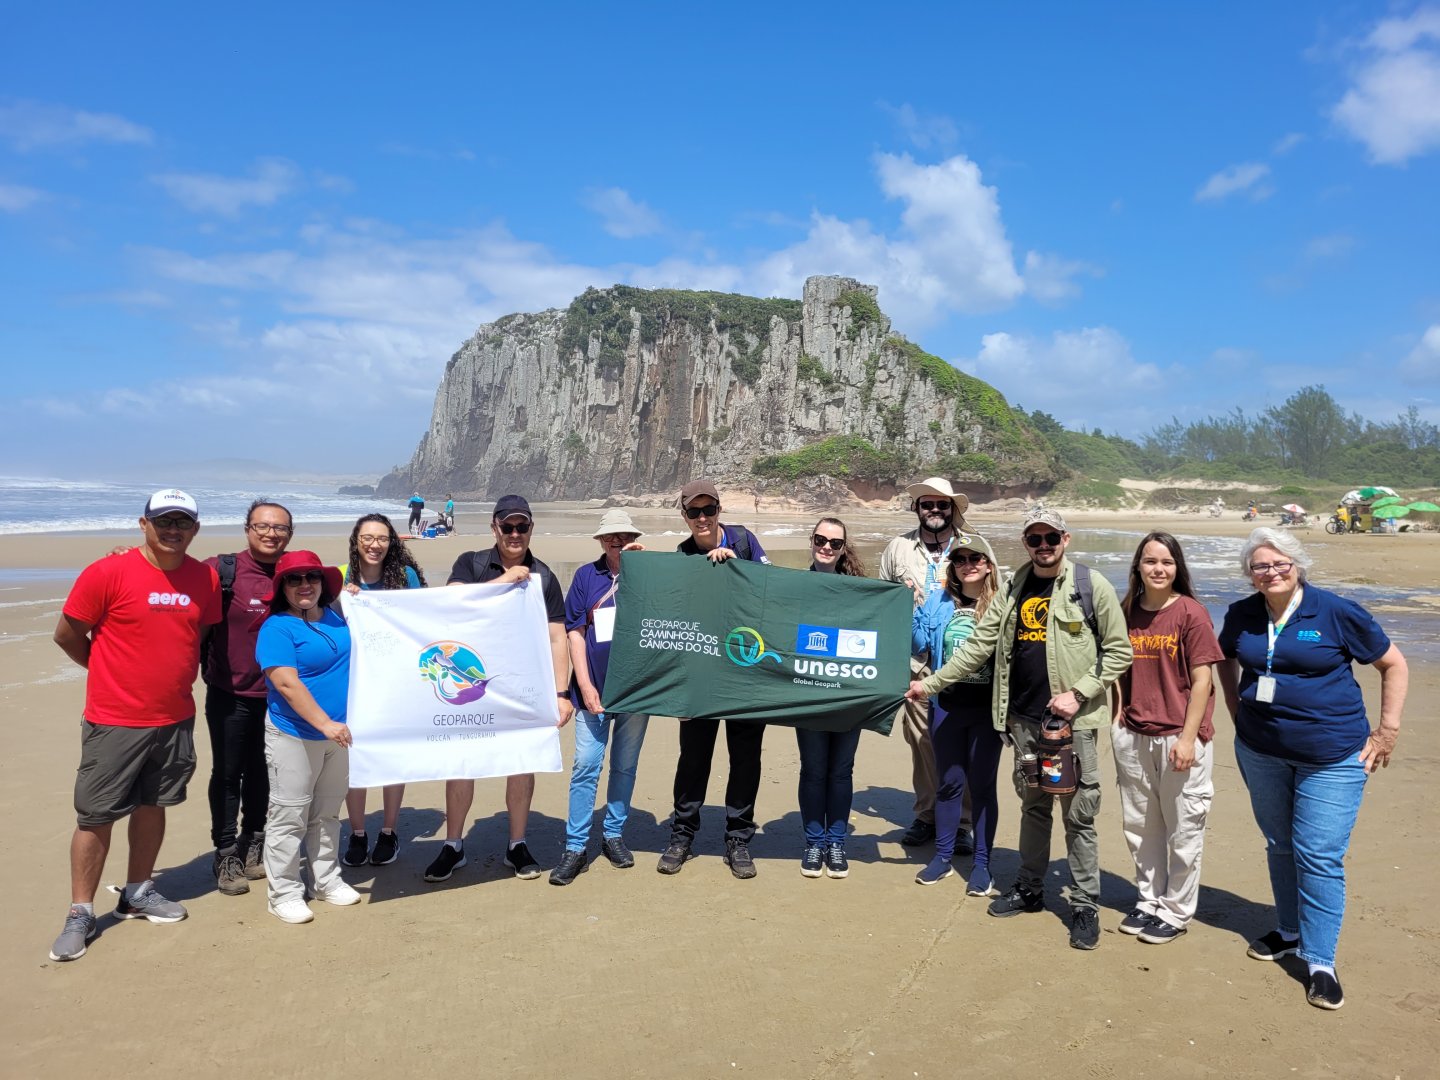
78 933
148 904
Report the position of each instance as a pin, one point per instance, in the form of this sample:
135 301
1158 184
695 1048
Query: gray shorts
125 767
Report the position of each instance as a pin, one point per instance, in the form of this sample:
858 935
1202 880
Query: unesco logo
745 647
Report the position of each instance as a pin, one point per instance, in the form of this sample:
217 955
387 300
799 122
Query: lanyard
614 587
932 581
1274 629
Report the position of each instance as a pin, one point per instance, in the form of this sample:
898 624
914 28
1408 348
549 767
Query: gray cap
1043 515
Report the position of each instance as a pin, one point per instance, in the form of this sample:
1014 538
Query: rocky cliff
634 391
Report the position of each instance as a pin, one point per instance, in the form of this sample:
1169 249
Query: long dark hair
849 562
1135 587
397 557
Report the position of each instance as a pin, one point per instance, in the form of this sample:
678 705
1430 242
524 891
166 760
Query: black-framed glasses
1050 539
307 577
709 510
926 506
183 524
1264 569
620 538
968 558
511 528
264 528
828 541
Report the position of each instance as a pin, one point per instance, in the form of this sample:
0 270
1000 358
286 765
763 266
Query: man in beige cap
917 559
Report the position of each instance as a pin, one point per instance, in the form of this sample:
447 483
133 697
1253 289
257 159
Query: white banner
451 683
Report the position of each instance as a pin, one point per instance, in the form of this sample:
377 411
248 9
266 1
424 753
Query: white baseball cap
171 501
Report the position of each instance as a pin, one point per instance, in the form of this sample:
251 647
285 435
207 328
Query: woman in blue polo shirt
1303 742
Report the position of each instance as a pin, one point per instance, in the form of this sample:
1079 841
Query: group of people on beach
1040 660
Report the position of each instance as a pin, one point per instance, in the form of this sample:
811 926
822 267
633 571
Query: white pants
1164 813
308 782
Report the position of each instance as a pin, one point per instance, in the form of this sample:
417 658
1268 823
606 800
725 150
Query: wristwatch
1080 698
562 693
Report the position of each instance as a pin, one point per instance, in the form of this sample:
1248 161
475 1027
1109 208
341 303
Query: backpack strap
741 546
225 567
1085 594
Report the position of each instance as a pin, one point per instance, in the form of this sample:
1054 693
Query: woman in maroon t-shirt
1162 738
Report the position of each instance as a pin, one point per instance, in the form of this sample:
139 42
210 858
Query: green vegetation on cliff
864 311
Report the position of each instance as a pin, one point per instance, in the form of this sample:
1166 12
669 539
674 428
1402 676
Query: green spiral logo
745 647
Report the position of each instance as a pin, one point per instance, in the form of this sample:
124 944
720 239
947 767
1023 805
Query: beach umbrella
1390 511
1424 507
1389 500
1294 508
1371 492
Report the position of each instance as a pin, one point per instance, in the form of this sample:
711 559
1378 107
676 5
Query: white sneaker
339 894
292 911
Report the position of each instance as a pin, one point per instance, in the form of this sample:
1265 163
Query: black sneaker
964 844
813 861
446 863
357 851
1135 922
1084 928
230 874
614 849
920 832
1272 946
1016 901
1160 932
251 848
519 859
387 849
836 864
572 865
676 854
737 857
1324 991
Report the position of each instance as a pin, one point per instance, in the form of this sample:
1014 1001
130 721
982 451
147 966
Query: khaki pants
308 782
1163 812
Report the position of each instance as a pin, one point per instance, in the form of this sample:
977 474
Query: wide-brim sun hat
298 562
938 486
617 521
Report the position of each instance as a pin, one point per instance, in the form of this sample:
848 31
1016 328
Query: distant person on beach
589 627
1056 656
510 560
700 510
450 513
378 559
827 758
962 730
917 559
235 700
135 622
417 504
1303 741
1162 738
304 650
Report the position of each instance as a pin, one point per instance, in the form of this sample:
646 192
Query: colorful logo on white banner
455 671
836 641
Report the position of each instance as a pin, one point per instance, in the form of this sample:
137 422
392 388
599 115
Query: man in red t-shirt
135 622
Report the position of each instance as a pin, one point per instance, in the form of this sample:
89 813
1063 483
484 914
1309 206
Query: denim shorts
125 767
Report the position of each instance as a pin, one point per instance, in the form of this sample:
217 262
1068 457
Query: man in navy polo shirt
509 560
700 510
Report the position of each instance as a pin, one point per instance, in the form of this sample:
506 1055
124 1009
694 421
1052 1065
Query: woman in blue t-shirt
1303 741
378 559
304 650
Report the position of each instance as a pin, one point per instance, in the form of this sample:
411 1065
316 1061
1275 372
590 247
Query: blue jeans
827 783
1306 813
592 732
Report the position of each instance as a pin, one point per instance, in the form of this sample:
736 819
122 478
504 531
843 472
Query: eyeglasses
828 541
183 524
620 538
521 527
373 541
1050 539
967 558
927 506
1265 569
709 510
312 577
264 528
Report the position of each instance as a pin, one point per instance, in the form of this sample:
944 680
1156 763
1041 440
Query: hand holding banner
449 684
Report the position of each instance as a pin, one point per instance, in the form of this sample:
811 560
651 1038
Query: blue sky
263 235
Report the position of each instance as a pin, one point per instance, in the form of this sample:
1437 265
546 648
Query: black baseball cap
509 506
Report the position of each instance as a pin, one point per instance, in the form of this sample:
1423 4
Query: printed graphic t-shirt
1167 644
320 652
970 698
1029 677
145 643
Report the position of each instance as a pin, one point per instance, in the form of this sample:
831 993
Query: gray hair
1283 542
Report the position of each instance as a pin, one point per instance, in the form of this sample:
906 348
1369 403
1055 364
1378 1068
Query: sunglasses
927 506
508 529
1050 539
183 524
312 577
828 541
967 558
709 511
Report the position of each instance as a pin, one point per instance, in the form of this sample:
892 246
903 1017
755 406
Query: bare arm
1228 672
286 681
560 656
579 661
1394 684
73 636
1182 754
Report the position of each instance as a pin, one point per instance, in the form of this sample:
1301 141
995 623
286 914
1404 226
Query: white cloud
16 197
620 215
1050 278
1248 177
34 125
1287 143
1334 246
210 193
923 130
1393 104
1422 365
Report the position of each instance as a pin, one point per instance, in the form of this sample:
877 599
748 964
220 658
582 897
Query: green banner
739 640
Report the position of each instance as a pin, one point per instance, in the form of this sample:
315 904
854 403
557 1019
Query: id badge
605 625
1265 688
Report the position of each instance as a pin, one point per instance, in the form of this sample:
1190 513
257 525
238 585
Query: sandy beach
631 974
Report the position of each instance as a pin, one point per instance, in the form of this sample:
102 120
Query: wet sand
631 974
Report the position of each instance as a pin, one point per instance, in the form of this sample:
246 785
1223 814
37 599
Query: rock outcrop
633 391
